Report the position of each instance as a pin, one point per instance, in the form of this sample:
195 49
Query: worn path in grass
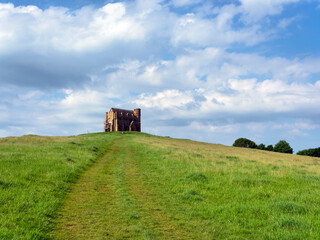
110 201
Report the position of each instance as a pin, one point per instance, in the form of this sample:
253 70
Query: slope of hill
138 186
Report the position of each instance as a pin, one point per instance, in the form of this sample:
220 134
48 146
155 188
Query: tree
313 152
283 147
269 148
244 142
261 146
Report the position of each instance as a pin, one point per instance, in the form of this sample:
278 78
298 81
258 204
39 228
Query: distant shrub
269 148
313 152
283 147
244 142
261 146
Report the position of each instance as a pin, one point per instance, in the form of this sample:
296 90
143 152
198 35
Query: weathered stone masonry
123 120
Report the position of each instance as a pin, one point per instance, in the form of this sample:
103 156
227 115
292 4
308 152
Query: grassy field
138 186
35 176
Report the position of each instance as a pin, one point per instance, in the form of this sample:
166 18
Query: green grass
243 198
138 186
35 175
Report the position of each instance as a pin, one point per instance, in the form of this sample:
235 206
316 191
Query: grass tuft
197 177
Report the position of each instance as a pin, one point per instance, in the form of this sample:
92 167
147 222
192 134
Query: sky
210 71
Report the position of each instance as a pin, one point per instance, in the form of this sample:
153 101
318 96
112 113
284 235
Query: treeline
313 152
282 146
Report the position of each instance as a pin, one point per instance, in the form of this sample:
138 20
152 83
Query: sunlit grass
35 175
220 192
139 186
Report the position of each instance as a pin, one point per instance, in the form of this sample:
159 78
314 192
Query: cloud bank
194 67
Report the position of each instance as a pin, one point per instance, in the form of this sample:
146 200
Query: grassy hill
139 186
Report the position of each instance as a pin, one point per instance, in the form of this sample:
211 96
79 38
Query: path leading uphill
110 201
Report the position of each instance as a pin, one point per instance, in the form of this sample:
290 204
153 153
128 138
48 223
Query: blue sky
211 71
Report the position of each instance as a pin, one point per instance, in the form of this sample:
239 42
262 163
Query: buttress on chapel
123 120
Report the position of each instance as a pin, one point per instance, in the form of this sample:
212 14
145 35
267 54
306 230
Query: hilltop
140 186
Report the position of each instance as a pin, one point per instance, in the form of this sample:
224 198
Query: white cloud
201 31
31 95
181 3
89 29
165 100
227 128
87 97
285 22
225 91
300 125
256 10
82 30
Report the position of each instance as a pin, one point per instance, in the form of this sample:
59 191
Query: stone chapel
123 120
